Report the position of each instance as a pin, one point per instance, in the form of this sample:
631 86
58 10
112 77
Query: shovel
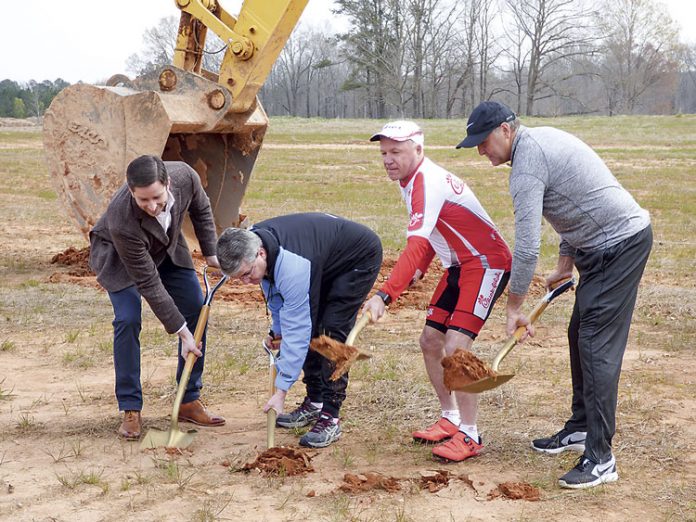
343 355
496 379
175 438
271 414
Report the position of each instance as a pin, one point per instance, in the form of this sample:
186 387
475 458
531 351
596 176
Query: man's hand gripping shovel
466 373
175 438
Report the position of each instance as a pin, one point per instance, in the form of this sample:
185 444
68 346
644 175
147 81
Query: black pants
338 309
597 335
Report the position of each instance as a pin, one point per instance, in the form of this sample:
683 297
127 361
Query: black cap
484 119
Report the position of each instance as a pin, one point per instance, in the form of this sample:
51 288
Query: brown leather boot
131 426
196 413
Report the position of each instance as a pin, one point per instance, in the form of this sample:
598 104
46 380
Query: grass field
60 458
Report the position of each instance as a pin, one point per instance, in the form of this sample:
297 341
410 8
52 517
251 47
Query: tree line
439 58
27 100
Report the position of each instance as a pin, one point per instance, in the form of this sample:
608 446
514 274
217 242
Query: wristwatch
384 297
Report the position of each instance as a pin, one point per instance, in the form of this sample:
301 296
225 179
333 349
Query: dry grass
61 333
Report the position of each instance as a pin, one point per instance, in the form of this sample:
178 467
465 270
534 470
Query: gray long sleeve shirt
557 176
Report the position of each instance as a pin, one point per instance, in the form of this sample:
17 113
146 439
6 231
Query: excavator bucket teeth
92 133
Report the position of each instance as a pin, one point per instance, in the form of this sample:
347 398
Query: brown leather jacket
127 245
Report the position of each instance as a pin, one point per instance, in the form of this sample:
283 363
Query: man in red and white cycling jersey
446 219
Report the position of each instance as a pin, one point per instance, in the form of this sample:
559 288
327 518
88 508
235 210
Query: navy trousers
597 336
182 284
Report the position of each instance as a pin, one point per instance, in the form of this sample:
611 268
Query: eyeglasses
247 274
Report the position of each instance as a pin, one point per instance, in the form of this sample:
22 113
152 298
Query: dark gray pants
597 335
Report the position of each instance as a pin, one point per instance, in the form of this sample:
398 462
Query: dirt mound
282 462
368 482
440 479
77 269
417 296
462 368
516 491
78 260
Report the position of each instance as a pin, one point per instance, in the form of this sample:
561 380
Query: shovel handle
190 361
350 340
533 316
271 414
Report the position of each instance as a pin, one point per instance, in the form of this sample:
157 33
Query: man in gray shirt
606 235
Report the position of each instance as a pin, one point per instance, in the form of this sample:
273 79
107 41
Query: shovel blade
173 438
487 383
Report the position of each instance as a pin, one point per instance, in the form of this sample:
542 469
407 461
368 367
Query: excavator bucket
212 121
92 133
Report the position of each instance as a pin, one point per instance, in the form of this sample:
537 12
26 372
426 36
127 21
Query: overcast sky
91 40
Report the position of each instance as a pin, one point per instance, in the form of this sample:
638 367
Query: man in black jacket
315 271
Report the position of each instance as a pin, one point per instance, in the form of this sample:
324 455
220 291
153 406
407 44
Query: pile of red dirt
417 296
435 482
282 462
516 491
463 368
77 269
78 260
368 482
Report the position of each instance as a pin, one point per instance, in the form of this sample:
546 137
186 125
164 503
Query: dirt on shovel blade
342 355
281 461
463 368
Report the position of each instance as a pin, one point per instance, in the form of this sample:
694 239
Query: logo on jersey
485 300
416 221
430 312
456 184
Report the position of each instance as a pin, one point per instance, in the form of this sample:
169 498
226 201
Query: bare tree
158 47
641 51
375 47
553 30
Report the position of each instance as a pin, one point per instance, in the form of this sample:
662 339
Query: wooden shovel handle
533 316
358 328
271 414
190 361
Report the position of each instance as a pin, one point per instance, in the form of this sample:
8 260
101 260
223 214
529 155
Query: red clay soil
73 257
77 268
436 482
416 297
369 482
281 461
340 354
463 368
516 491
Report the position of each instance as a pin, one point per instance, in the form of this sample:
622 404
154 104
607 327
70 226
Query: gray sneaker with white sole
325 431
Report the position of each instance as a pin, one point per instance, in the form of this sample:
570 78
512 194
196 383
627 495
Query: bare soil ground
60 458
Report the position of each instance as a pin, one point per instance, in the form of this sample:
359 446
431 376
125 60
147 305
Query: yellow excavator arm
254 40
210 120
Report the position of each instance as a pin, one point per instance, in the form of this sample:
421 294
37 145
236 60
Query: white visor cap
401 130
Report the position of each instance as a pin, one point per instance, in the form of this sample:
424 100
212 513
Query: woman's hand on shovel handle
188 343
277 402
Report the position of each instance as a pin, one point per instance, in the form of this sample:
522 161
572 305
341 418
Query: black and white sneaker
301 416
562 441
325 431
587 474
